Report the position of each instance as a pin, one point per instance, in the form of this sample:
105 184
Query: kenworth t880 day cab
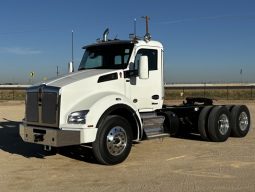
116 97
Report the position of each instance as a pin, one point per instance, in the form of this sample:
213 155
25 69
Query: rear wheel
114 140
203 122
240 118
229 107
219 124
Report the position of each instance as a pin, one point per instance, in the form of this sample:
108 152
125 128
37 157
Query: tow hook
47 148
38 137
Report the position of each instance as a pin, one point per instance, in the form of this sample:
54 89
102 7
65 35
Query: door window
152 55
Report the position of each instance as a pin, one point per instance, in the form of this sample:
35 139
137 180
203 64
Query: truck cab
122 58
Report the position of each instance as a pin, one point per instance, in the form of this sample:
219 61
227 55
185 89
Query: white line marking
174 158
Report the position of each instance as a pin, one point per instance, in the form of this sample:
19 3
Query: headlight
77 117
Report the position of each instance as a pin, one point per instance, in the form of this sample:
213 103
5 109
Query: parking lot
169 164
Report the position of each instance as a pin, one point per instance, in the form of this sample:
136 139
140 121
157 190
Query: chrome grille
32 113
42 106
49 108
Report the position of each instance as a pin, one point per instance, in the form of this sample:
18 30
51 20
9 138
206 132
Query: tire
114 140
203 123
219 124
240 119
230 107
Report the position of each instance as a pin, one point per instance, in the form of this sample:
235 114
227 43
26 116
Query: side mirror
143 67
70 67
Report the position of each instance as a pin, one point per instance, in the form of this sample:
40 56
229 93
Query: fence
12 92
224 92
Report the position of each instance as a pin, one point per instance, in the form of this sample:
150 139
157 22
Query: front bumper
49 136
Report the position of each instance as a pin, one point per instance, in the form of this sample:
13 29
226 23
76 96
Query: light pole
241 74
72 46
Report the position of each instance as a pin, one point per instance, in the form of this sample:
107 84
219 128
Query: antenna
147 36
135 27
133 35
147 23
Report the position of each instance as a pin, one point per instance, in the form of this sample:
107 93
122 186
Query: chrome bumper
49 136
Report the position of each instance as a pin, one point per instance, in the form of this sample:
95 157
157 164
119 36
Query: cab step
156 136
153 125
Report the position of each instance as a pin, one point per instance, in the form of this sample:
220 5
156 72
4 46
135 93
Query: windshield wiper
82 68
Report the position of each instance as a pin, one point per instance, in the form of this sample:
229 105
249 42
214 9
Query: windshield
110 56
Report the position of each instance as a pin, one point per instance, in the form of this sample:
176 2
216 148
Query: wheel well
127 113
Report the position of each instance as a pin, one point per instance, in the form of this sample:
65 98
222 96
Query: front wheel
114 140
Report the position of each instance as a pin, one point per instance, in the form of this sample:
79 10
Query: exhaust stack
105 35
70 67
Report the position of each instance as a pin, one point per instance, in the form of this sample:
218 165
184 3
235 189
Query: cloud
20 50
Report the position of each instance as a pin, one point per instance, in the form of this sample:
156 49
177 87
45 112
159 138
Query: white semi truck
116 97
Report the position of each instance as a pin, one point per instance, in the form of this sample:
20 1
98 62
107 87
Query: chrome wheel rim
243 121
223 124
116 140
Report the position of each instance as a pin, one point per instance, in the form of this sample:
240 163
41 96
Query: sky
204 40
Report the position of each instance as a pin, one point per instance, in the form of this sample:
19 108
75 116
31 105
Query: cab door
147 94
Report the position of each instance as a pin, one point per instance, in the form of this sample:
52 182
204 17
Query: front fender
98 109
97 105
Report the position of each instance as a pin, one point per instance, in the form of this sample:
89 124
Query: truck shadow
11 142
190 136
80 153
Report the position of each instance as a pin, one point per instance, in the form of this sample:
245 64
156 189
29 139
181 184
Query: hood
77 76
